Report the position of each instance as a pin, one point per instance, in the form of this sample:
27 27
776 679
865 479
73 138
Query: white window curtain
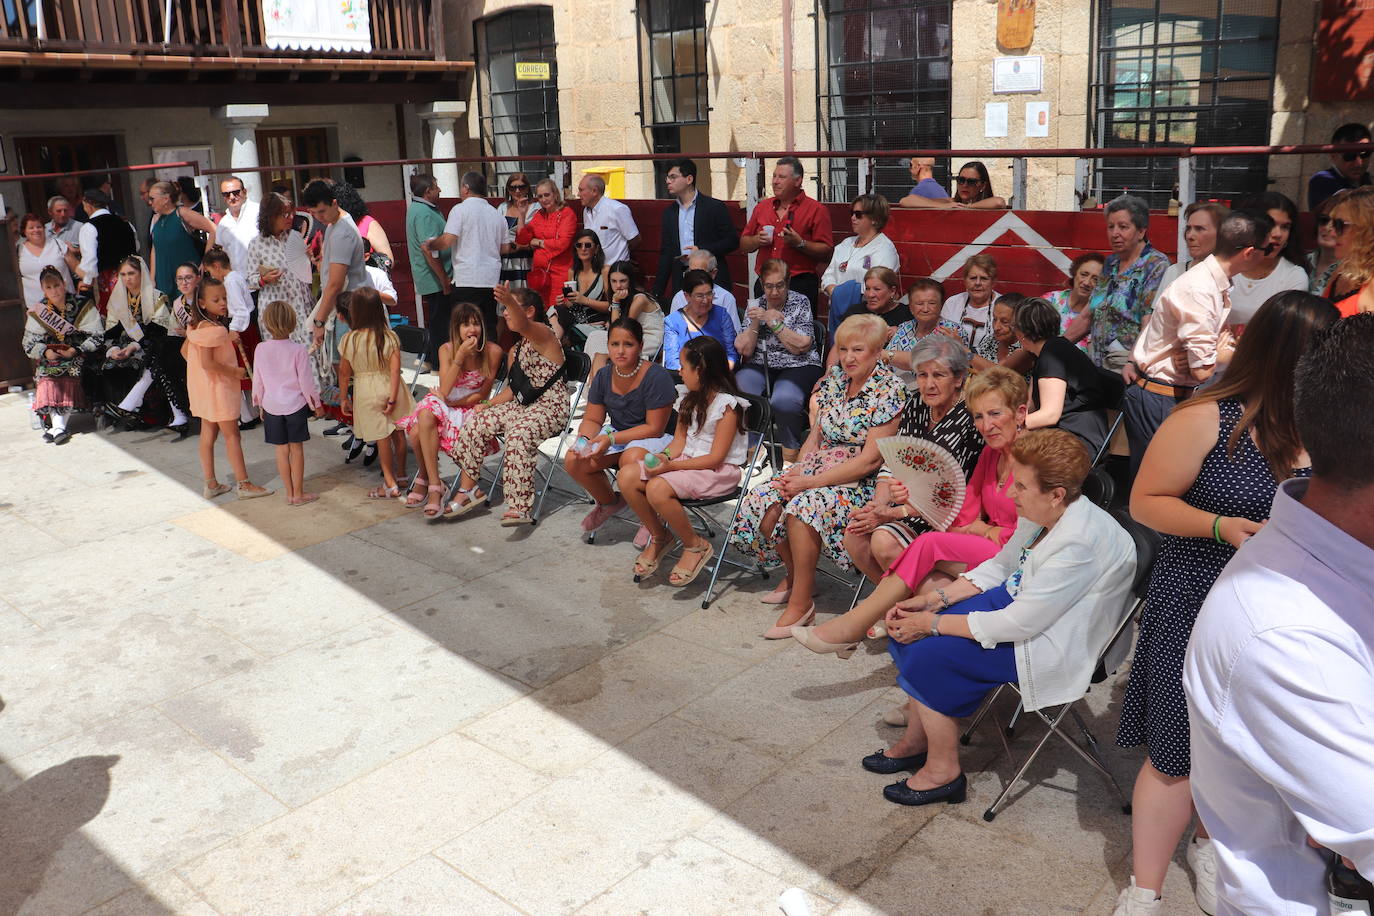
320 25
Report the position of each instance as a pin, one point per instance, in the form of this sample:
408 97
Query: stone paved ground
249 708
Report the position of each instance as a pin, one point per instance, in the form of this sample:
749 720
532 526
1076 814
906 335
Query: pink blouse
985 500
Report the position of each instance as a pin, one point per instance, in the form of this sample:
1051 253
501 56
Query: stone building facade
762 54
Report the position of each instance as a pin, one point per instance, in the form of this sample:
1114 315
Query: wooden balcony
404 32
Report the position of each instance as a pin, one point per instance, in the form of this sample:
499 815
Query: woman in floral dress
279 267
803 511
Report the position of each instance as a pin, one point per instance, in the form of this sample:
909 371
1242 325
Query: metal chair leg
1001 799
981 714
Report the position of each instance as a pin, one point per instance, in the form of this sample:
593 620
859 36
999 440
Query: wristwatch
934 624
317 322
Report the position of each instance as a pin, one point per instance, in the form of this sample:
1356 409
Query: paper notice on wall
1037 119
995 119
321 25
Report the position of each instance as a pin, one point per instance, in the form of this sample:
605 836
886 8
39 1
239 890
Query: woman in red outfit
550 233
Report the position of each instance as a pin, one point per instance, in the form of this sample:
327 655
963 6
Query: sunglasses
962 180
1268 249
1323 220
857 214
1339 225
518 187
239 193
1351 157
584 245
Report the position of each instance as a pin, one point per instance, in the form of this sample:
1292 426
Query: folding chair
580 366
758 419
414 340
1115 387
1146 546
1099 488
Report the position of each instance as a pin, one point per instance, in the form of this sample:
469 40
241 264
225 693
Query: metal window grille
673 58
520 117
884 84
1184 73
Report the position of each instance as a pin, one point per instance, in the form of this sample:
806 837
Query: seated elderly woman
1066 388
1037 614
805 509
778 357
882 296
997 400
927 298
878 532
1002 347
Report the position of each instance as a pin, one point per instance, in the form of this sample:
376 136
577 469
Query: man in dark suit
692 221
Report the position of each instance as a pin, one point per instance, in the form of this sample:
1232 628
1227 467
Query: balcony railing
401 29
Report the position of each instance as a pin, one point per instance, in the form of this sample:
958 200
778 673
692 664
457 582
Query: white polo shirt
234 233
614 225
481 231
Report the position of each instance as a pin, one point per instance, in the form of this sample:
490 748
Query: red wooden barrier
1032 248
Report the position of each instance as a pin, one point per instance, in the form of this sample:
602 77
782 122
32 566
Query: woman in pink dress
997 399
467 369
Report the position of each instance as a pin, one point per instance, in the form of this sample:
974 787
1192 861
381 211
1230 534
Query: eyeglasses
857 214
1268 249
1339 225
775 287
239 193
962 180
1363 156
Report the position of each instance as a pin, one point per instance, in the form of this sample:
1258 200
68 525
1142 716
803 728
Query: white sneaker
1202 859
1137 901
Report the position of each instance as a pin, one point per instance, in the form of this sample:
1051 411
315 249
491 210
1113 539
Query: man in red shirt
793 227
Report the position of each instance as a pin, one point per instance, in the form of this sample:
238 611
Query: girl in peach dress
213 375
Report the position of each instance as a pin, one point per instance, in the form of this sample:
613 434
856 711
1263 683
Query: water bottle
581 445
35 421
1346 889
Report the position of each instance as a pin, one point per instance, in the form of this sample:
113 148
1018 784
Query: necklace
631 374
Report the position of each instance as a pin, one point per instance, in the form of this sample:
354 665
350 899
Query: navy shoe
337 429
62 438
879 762
951 792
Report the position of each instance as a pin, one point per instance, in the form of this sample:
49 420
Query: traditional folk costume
144 319
75 323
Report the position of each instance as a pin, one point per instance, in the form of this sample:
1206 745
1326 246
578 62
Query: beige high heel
785 632
807 637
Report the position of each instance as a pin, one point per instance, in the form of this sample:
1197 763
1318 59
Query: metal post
753 182
1082 177
1018 183
1187 194
866 169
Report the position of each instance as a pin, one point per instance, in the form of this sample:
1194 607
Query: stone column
440 118
242 122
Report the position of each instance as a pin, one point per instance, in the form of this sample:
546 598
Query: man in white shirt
61 225
239 224
477 233
1178 348
701 259
105 240
608 218
1279 672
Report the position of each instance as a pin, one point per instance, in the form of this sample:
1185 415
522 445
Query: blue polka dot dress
1154 711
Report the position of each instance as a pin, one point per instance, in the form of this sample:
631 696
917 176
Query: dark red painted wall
925 239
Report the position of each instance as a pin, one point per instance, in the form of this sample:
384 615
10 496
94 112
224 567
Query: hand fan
931 475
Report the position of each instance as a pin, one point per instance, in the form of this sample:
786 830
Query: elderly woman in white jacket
1037 614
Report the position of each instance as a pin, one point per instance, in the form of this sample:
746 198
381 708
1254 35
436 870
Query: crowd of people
268 315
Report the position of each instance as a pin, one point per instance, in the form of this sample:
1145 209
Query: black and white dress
1154 711
954 433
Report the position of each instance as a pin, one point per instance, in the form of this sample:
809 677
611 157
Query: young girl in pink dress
467 369
213 376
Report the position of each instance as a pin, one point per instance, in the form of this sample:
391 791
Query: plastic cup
767 233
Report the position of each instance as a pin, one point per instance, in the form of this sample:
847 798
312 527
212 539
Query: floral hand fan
931 475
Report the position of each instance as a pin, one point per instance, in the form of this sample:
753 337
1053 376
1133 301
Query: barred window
520 116
675 48
1184 73
883 75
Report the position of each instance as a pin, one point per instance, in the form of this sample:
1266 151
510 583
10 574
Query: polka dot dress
1154 711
